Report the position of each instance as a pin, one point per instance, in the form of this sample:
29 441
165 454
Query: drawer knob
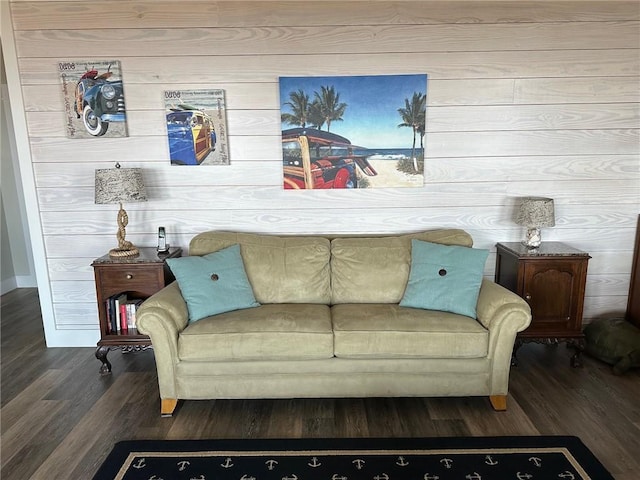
129 276
528 296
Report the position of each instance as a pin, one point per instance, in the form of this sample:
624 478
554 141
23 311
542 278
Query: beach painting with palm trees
353 131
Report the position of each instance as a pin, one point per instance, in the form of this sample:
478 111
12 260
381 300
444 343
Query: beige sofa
329 324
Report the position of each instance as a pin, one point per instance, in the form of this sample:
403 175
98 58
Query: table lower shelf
127 343
575 341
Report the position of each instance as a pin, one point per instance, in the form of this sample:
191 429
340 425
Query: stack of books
121 314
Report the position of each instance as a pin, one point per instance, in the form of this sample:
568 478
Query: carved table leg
101 354
514 355
579 346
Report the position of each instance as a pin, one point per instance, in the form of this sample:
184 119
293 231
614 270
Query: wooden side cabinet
633 303
552 279
137 278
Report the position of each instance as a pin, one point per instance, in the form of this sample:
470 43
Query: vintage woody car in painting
191 134
99 101
315 159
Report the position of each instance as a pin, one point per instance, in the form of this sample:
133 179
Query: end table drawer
130 277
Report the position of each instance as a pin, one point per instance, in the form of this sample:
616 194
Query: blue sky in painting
371 119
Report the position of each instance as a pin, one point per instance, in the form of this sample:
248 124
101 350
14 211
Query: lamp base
125 248
124 252
533 239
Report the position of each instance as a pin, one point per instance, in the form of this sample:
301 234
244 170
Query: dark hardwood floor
60 418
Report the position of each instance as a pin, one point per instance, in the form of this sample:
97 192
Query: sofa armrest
504 314
163 316
494 300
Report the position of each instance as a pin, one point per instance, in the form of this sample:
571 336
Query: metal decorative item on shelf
535 212
117 185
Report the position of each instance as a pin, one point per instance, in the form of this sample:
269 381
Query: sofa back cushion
376 269
280 269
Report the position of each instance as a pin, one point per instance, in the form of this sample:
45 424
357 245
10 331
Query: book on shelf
112 317
132 307
124 327
120 322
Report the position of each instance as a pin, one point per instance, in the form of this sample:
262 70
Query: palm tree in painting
316 120
330 108
413 115
421 131
299 104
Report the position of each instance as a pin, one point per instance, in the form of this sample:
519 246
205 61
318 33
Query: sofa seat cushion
267 332
391 331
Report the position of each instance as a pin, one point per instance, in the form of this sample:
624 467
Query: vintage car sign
196 127
93 99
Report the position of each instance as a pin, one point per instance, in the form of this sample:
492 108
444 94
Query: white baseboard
7 285
20 281
26 281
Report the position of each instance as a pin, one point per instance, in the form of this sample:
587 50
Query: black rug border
114 461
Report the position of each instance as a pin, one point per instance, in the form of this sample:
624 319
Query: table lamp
535 212
117 185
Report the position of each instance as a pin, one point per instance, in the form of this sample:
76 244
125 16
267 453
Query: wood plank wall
524 98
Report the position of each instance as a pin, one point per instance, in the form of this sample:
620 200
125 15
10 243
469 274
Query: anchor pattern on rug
345 465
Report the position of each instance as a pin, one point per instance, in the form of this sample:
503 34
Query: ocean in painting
387 153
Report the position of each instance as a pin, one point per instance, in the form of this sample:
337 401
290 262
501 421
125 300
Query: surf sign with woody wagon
196 127
321 116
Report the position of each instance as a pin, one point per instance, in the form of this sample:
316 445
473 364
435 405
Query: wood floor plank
285 419
104 413
60 418
350 417
23 432
21 405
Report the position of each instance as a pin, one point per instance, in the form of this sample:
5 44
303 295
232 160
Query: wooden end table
552 279
137 278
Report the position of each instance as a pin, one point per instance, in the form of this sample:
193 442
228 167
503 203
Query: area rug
469 458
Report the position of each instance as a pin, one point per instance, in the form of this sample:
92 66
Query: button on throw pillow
445 278
214 283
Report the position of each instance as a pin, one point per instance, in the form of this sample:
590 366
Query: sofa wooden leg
498 402
167 406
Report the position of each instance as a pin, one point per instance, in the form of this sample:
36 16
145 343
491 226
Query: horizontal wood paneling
196 216
525 98
350 39
32 15
76 315
438 195
290 220
610 64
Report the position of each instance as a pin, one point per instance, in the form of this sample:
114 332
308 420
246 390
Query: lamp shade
117 185
536 212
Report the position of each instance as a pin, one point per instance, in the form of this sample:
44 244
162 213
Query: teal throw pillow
214 283
445 278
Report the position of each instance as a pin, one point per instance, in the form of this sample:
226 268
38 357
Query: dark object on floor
615 341
364 458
